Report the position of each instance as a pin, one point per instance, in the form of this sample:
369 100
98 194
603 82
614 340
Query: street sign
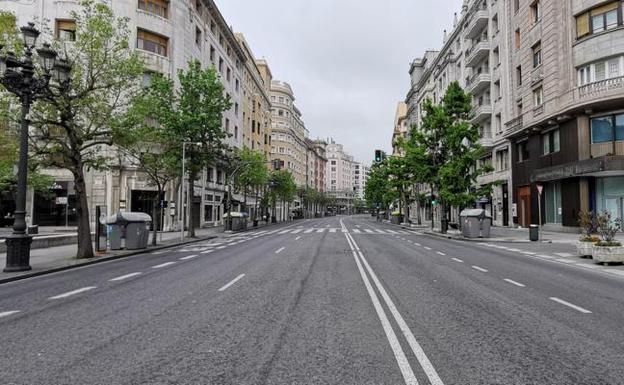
61 200
540 188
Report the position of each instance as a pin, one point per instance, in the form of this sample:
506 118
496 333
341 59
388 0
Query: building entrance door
614 205
524 206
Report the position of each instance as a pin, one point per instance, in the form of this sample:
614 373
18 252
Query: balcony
155 62
478 82
514 125
482 110
486 142
478 23
478 52
602 88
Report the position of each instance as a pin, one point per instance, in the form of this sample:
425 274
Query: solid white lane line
280 250
545 256
188 257
479 268
8 313
163 265
528 253
457 260
121 278
399 354
284 231
440 253
577 308
232 282
73 292
564 254
427 366
514 250
514 282
298 238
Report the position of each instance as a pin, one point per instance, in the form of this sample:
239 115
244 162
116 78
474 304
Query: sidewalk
58 258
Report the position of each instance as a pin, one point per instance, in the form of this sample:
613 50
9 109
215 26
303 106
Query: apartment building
401 128
360 177
316 164
256 120
167 34
548 84
567 131
267 79
340 176
288 132
472 54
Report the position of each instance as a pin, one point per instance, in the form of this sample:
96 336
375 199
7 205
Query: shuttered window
66 30
582 25
598 19
156 7
151 42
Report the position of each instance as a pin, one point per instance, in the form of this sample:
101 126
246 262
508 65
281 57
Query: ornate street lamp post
19 77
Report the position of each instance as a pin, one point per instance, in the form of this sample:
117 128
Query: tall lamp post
19 77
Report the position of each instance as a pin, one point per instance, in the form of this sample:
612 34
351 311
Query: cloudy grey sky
347 60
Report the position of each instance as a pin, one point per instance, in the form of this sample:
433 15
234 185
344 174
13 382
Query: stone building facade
167 35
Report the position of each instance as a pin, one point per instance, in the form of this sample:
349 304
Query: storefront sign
61 201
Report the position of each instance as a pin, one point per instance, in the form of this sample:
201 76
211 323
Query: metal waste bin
133 228
475 223
534 233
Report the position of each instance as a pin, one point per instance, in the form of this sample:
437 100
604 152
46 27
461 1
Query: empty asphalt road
341 300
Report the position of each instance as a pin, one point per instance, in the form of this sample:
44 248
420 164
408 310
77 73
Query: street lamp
181 209
18 76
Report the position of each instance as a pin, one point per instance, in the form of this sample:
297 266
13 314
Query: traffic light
379 156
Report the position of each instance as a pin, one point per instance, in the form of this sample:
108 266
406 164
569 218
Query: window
152 42
198 6
198 35
156 7
538 96
519 76
235 132
517 39
494 24
220 65
236 109
227 125
523 151
598 19
607 128
606 69
228 75
584 75
212 53
537 54
552 202
536 11
66 30
516 5
550 142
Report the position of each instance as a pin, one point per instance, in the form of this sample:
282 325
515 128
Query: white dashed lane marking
73 292
232 282
479 269
568 304
280 250
514 282
188 257
457 260
440 253
163 265
121 278
8 313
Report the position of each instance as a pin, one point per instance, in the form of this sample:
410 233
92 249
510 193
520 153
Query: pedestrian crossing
323 230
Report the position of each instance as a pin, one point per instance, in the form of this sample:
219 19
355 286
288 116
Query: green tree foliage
378 192
252 174
72 127
193 113
282 189
146 142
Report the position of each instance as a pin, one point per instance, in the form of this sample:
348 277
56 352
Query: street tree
143 140
252 175
71 125
194 114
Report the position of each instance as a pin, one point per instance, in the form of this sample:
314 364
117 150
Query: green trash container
534 233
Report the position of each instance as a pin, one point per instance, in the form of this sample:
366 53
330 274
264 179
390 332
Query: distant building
401 127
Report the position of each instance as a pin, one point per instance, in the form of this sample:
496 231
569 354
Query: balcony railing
477 52
514 124
597 88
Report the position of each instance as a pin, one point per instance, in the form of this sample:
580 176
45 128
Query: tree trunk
156 216
189 205
85 243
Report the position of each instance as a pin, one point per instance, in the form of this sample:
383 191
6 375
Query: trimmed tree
71 125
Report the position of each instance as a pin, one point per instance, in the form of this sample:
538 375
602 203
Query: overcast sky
347 60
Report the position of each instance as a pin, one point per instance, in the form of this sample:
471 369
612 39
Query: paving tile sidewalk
59 258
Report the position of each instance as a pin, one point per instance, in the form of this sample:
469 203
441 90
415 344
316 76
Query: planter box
584 249
608 254
396 219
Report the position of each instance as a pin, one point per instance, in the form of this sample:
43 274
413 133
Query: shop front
55 207
610 195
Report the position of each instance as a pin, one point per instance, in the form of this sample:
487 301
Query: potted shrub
589 227
608 250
